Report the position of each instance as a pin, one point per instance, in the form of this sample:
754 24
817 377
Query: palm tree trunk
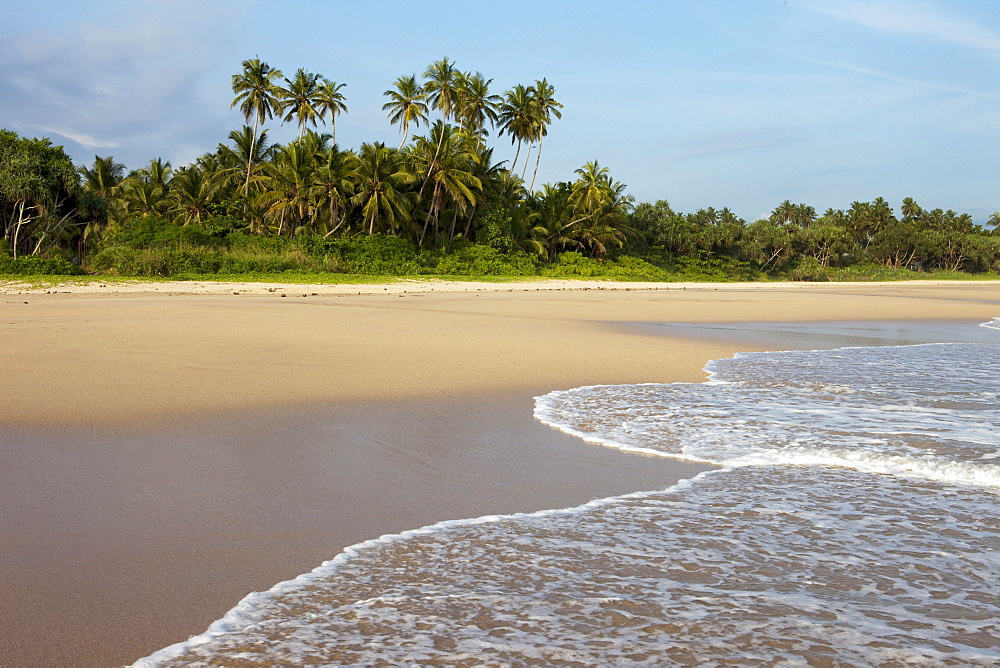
451 230
527 159
468 223
253 143
405 135
538 159
430 168
513 165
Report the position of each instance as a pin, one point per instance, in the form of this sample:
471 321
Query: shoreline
164 457
111 358
129 286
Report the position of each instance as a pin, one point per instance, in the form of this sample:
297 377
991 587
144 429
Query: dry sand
167 448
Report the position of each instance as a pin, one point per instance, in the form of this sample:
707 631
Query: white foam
855 522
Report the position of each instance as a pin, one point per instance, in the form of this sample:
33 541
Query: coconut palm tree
330 101
192 190
599 210
257 94
450 171
331 187
379 177
406 105
300 99
441 87
476 105
545 107
247 154
287 179
103 177
516 118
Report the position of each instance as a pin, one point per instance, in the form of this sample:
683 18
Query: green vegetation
438 205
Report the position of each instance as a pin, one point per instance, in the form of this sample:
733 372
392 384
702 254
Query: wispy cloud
128 78
728 143
907 81
82 139
915 18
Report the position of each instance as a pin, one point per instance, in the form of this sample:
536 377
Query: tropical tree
441 87
448 164
247 153
300 99
257 93
103 180
406 105
38 188
517 118
331 187
544 107
287 180
476 105
994 221
768 243
192 192
103 177
330 101
379 178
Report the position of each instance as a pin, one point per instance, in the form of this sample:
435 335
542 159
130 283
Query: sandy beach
167 448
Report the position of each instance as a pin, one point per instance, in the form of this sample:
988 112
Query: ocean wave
855 521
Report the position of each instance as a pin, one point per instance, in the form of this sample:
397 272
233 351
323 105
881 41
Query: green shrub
375 254
809 269
572 263
708 269
152 232
481 260
27 265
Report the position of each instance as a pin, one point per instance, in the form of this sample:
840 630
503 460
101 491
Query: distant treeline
438 204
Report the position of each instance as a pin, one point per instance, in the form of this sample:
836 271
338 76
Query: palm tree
476 105
329 100
406 105
516 118
192 190
104 180
331 187
287 179
103 177
144 192
599 210
784 213
994 220
545 107
247 154
451 172
300 99
441 87
910 209
378 178
257 95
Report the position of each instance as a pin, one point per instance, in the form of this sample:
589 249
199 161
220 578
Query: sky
717 103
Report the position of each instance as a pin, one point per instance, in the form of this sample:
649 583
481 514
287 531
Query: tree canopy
440 189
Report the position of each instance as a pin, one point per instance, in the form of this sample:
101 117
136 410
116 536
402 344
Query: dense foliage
437 204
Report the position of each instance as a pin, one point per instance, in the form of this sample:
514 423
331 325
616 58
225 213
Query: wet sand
163 456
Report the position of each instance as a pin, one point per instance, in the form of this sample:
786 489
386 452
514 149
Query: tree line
439 190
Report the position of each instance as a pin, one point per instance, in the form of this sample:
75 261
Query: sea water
853 520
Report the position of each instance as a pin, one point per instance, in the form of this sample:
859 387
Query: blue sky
741 103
